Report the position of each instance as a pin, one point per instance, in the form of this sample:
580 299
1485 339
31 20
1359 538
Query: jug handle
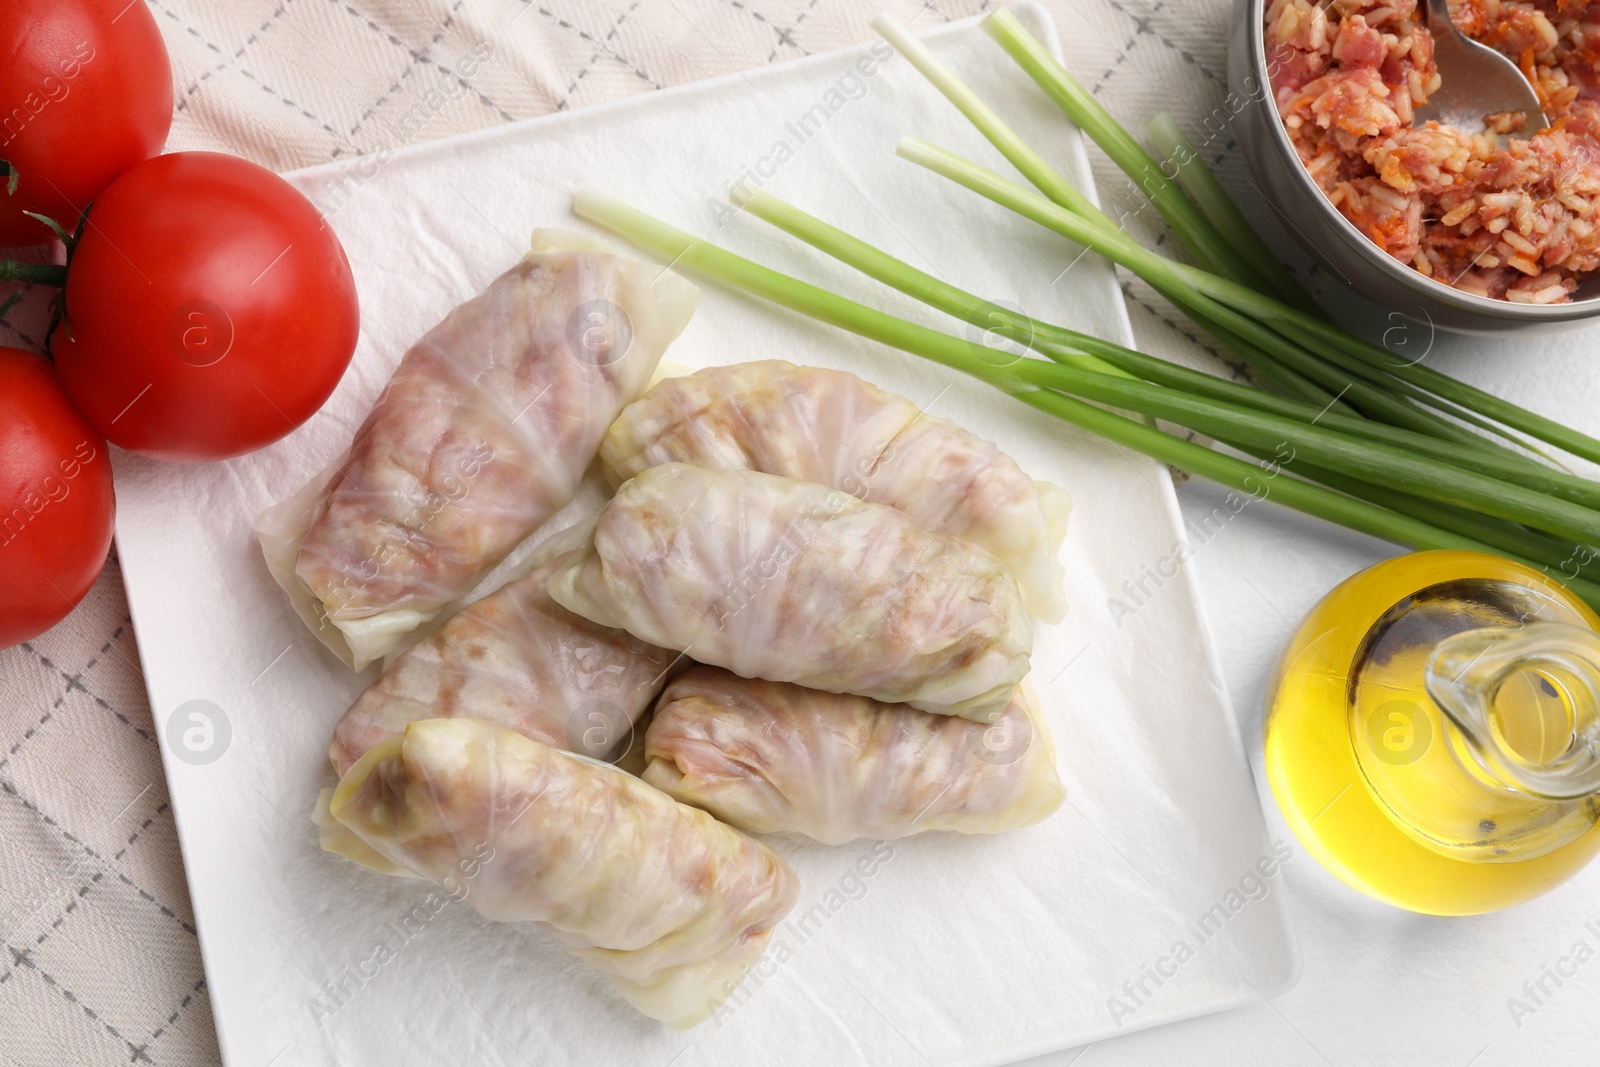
1464 675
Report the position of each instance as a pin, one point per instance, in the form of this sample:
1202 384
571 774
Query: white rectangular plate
952 950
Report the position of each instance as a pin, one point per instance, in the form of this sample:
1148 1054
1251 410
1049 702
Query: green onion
1210 197
1149 176
1002 136
1070 347
1485 404
1198 181
1371 461
1211 297
1509 538
709 261
1228 227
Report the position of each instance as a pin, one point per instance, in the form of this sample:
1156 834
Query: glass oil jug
1434 737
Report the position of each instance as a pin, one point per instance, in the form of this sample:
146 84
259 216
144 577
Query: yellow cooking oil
1375 779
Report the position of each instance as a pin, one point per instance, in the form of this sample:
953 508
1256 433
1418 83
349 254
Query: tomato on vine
56 502
88 86
209 309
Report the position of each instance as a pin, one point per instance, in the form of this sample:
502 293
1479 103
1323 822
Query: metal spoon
1477 81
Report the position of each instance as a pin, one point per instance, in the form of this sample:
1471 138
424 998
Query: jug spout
1527 703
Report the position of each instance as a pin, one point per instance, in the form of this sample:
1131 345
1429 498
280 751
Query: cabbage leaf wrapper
670 904
831 427
518 659
796 582
770 756
481 435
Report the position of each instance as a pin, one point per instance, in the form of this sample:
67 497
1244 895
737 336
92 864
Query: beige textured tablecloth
99 958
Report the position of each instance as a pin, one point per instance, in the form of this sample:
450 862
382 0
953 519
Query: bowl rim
1403 273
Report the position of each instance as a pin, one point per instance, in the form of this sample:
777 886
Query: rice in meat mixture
1514 223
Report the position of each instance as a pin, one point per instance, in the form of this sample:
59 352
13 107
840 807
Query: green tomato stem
36 273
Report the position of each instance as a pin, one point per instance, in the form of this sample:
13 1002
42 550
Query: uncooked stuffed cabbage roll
666 901
481 435
796 582
518 659
771 756
831 427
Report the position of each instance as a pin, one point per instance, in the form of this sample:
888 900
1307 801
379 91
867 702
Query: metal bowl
1319 226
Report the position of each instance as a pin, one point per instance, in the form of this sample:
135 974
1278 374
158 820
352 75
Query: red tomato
88 89
55 500
209 309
